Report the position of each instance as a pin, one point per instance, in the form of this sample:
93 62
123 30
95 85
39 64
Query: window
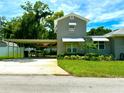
74 50
101 45
71 27
69 50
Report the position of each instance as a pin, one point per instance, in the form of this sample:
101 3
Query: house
71 34
70 30
116 40
71 37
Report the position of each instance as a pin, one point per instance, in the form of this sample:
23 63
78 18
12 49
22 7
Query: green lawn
93 68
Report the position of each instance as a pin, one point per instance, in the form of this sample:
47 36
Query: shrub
66 57
91 54
92 57
60 56
73 57
82 57
108 58
86 58
101 58
78 57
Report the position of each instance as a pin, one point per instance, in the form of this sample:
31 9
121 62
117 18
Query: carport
42 43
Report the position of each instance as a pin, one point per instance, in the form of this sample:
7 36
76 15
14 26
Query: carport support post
8 49
20 50
13 50
17 50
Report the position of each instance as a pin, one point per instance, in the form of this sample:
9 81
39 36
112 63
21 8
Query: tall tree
2 24
99 31
50 23
11 27
33 20
37 22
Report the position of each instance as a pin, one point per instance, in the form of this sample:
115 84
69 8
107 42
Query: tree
88 45
32 25
37 22
11 27
2 23
50 23
99 31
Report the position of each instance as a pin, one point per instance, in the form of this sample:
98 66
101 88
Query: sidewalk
31 67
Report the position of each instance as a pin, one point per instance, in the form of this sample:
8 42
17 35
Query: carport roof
27 41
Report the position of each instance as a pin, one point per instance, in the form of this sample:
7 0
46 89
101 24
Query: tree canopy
2 23
37 22
99 31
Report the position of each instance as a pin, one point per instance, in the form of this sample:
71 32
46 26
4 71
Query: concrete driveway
31 66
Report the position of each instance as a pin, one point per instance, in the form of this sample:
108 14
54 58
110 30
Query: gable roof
71 14
119 32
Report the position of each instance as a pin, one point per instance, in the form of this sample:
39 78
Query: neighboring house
10 50
71 34
116 40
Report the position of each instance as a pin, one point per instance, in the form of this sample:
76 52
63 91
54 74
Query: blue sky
108 13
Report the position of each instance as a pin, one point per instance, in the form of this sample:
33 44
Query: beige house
71 34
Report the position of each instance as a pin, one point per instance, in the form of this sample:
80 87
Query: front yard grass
93 68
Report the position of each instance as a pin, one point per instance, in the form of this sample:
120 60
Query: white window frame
72 28
99 45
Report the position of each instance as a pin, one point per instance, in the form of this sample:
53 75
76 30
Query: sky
107 13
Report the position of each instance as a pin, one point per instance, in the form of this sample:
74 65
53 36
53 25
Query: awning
73 39
100 39
72 24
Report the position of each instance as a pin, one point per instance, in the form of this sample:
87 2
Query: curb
35 75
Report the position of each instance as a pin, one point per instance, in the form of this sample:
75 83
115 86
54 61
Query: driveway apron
31 66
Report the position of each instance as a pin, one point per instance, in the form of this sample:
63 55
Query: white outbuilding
10 50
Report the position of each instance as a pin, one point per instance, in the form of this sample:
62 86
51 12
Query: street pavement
60 84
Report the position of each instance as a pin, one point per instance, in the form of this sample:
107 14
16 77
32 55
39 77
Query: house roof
9 43
119 32
73 14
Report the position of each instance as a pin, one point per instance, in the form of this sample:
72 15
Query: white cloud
94 10
53 1
68 8
109 16
103 10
